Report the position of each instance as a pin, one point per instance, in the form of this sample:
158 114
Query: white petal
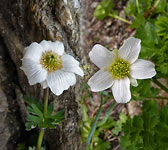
34 52
142 69
46 45
57 46
100 56
71 65
44 84
34 71
133 82
100 81
59 81
121 90
130 49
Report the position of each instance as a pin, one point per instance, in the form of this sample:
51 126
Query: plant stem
41 134
137 4
152 9
160 85
107 115
40 139
157 2
94 125
46 93
120 18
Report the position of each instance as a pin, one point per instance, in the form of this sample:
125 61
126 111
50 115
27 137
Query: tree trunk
21 23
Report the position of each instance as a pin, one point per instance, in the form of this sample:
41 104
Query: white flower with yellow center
47 63
119 69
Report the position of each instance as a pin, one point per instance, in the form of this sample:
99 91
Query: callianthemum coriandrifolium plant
48 64
147 131
119 69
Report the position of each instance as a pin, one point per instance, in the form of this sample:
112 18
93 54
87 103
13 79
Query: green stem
41 134
157 2
40 139
120 18
93 128
152 9
137 4
46 93
160 85
107 115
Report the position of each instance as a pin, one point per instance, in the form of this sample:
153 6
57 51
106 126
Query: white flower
47 63
119 69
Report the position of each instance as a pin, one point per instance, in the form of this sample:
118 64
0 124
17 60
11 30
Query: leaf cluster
147 131
103 9
36 118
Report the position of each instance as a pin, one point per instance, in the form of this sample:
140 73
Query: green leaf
103 145
119 123
138 21
34 117
31 100
36 110
107 115
103 9
52 120
147 131
93 128
162 26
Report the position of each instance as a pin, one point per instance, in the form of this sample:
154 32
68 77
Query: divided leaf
103 9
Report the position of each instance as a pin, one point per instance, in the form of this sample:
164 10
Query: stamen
51 61
120 69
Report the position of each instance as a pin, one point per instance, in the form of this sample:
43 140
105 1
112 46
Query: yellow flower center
51 61
120 68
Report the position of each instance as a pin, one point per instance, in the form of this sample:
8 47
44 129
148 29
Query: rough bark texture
21 23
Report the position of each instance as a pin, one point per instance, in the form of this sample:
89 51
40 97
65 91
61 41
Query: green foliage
148 91
132 10
162 26
147 131
99 141
21 146
103 9
35 115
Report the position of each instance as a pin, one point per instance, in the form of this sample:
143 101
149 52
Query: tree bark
21 23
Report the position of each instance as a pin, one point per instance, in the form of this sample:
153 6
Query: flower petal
34 71
142 69
130 49
57 46
133 82
59 81
46 45
71 65
100 81
121 90
34 52
100 56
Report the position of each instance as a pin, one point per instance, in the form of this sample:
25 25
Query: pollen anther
120 68
51 61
